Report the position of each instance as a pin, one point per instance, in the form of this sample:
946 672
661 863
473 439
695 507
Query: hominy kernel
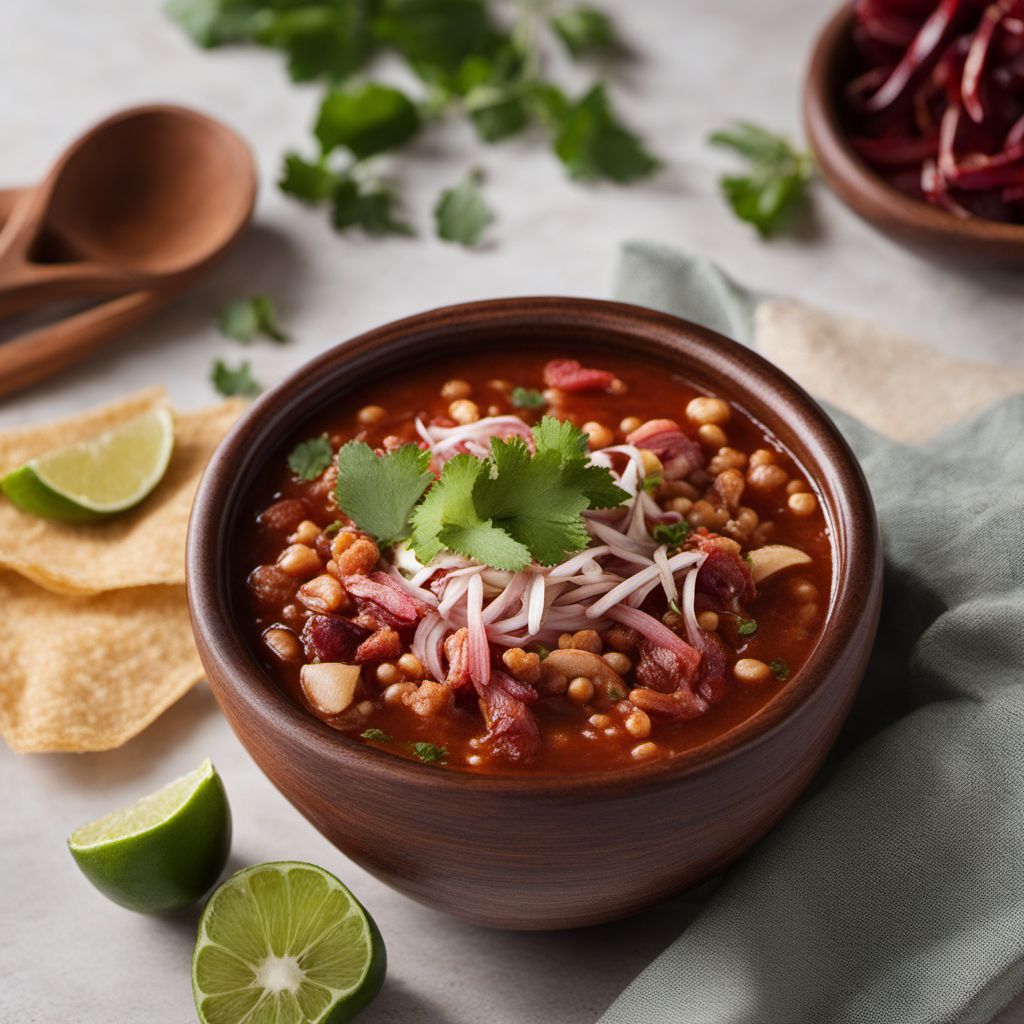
617 387
494 410
804 590
630 423
396 691
452 389
682 505
679 489
387 673
305 533
712 435
581 690
365 707
704 513
283 643
751 671
553 396
462 410
708 410
474 759
708 621
600 721
411 667
802 504
644 750
565 642
500 385
371 414
587 640
807 614
766 477
598 435
524 665
638 724
322 594
300 560
617 662
762 457
651 463
796 487
727 458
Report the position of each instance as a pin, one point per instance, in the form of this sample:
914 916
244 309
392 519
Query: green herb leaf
379 492
570 444
332 528
310 182
541 650
672 534
652 483
377 735
780 668
436 36
527 398
593 144
778 178
234 382
331 39
584 30
429 753
461 213
245 318
215 22
368 205
366 119
310 458
496 92
746 627
615 692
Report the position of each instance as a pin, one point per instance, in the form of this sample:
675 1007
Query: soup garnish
510 571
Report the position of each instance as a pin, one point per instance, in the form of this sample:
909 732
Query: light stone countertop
66 953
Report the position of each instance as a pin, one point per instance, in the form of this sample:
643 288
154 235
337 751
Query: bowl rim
853 180
856 562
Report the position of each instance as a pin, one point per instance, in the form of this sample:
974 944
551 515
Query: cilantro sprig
308 459
507 510
468 60
244 319
237 381
776 181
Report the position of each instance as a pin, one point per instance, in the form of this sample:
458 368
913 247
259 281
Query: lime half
96 478
285 943
164 852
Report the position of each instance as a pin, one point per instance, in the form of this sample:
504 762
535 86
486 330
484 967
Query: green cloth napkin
894 893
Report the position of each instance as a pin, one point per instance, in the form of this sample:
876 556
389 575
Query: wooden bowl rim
852 179
856 545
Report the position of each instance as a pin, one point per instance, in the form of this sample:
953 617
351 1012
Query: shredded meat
727 490
283 516
680 454
385 599
570 375
711 679
456 648
382 645
512 729
678 704
724 577
430 699
331 638
664 669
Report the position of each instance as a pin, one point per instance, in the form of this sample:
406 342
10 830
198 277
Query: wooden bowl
929 230
535 853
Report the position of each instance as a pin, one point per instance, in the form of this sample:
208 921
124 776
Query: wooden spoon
147 196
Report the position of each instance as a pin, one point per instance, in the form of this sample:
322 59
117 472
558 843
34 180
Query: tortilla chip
89 673
142 547
895 385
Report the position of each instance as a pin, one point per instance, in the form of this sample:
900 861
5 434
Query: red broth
573 735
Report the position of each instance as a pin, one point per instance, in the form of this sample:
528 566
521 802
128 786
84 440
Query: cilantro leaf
565 439
377 735
378 492
310 182
368 205
461 213
746 627
779 668
429 753
448 518
331 39
435 36
366 119
310 458
584 30
214 22
234 382
672 534
776 183
527 398
532 500
243 319
593 144
495 92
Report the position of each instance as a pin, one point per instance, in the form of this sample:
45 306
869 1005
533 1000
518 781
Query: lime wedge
96 478
164 852
285 943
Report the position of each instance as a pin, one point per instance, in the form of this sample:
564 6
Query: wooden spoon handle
39 354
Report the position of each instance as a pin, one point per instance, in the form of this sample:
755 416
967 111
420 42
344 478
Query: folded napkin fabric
895 893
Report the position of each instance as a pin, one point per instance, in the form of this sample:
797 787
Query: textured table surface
67 954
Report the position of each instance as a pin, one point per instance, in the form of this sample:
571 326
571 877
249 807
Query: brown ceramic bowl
546 852
927 229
